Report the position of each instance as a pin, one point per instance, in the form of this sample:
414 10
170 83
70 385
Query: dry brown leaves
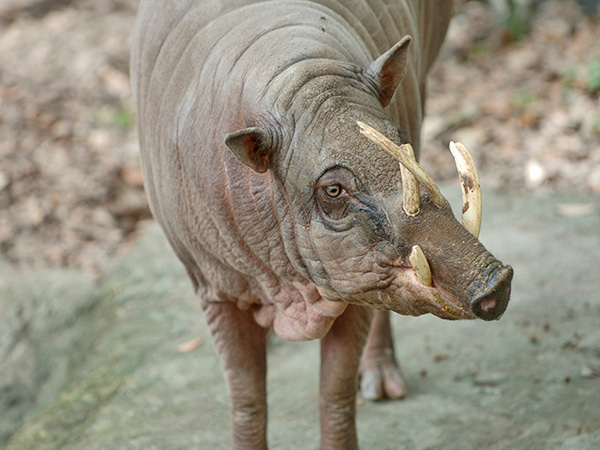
70 184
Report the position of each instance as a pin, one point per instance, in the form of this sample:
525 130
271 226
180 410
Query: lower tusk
419 264
471 190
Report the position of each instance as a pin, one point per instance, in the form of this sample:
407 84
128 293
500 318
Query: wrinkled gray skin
284 216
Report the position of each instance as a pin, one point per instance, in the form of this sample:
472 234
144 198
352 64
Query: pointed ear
388 70
251 146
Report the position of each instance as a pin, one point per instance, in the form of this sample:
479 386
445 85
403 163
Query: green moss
73 408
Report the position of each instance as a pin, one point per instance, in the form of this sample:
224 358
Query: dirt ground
526 104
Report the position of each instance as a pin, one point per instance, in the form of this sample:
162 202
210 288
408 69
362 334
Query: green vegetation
569 75
480 50
584 75
523 99
516 21
592 84
123 119
513 17
595 125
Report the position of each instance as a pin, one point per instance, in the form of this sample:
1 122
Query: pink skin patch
305 311
299 313
488 304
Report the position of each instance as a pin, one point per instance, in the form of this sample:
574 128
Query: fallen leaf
590 372
576 209
190 345
132 176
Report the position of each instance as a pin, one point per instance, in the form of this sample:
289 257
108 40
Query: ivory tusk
471 190
419 264
406 161
411 197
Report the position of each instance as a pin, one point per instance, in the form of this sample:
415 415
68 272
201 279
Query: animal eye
332 190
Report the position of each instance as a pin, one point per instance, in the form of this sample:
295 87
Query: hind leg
381 376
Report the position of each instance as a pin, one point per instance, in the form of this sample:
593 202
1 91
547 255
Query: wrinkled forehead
338 142
376 169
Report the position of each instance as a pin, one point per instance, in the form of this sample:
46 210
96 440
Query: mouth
420 285
440 304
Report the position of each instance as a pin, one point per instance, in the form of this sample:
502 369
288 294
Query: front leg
380 373
241 345
340 356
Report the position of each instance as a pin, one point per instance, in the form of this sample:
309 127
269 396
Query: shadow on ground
98 364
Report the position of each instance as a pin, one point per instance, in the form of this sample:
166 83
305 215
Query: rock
45 333
527 58
535 174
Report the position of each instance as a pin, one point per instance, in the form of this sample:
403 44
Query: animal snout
491 303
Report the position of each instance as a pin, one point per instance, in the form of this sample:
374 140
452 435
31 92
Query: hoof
381 378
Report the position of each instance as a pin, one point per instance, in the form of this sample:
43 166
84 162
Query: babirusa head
452 267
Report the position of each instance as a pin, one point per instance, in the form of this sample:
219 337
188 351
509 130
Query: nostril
492 302
488 304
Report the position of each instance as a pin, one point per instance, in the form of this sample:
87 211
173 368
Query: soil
524 99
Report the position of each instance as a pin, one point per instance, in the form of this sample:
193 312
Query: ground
88 325
126 361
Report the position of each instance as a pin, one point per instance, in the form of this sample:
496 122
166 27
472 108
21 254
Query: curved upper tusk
419 264
406 161
471 190
411 197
